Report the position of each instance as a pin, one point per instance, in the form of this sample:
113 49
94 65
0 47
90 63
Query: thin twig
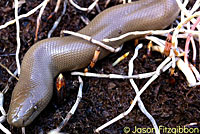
186 12
107 2
58 20
188 42
120 59
55 10
177 29
17 37
85 20
39 19
156 40
195 71
187 72
195 6
90 39
23 15
57 6
194 33
114 76
158 71
23 130
5 130
149 32
9 71
83 8
3 117
71 112
181 65
129 1
9 80
135 87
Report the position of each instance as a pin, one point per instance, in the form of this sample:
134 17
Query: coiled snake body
45 59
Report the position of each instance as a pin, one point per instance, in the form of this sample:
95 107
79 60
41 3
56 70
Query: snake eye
35 107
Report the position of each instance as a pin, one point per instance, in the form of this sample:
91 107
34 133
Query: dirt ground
168 99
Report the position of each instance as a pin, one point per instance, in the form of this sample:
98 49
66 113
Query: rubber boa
45 59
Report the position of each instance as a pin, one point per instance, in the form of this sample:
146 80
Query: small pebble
111 85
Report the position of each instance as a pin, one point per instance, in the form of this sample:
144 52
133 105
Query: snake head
22 111
26 105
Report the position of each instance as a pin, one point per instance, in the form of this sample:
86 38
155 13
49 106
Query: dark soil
168 99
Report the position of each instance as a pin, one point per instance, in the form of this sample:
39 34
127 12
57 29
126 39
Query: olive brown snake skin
45 59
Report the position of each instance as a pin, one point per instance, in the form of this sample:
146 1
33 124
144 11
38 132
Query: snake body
45 59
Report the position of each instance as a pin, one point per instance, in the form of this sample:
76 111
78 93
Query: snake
47 58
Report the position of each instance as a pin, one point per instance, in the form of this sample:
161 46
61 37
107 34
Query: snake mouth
29 119
22 121
17 122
